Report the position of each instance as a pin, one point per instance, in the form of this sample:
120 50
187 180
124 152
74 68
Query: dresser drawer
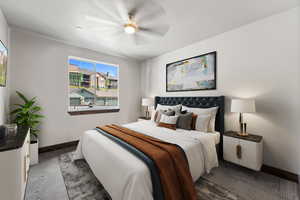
25 158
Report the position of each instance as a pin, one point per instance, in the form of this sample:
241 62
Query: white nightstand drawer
251 154
229 152
243 152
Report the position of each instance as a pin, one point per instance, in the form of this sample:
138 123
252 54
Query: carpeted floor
55 177
229 183
82 184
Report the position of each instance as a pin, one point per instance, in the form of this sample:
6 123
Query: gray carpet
81 184
46 182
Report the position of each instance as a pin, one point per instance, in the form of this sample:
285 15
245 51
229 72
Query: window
93 86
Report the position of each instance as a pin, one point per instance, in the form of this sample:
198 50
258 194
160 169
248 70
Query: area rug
82 184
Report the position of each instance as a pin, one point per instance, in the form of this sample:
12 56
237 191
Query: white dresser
14 165
246 151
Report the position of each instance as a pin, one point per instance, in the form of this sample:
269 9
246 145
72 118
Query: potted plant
26 114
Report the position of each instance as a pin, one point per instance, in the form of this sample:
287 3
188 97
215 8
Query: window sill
87 112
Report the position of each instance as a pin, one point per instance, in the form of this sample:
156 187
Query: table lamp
147 102
243 106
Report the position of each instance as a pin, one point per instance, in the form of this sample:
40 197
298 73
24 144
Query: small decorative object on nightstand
246 151
243 106
143 118
147 102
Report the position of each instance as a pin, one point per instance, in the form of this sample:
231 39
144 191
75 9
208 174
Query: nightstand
143 118
246 151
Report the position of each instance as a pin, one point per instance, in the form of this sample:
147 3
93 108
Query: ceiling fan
142 20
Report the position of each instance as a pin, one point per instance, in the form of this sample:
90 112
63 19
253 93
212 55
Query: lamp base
147 114
242 134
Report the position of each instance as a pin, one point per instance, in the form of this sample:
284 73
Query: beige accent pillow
159 113
205 111
164 107
202 123
168 119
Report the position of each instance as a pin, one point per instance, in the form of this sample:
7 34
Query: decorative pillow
170 126
202 123
168 121
153 113
166 107
194 120
176 108
206 111
183 111
165 112
184 120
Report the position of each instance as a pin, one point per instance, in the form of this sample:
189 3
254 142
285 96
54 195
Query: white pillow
205 111
166 107
176 108
202 123
168 119
153 112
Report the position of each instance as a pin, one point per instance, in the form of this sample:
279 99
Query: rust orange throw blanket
176 180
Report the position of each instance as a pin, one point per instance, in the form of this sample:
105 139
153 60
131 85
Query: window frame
95 109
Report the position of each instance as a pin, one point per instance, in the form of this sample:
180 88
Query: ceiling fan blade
107 8
144 10
108 34
144 37
148 17
159 30
122 9
135 6
101 21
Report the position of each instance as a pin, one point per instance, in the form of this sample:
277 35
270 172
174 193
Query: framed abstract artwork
3 64
191 74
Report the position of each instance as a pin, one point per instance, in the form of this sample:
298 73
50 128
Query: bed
125 177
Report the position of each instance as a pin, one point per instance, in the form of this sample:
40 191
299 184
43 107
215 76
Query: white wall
40 68
4 98
261 61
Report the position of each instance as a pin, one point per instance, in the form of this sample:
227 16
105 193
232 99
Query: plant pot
34 151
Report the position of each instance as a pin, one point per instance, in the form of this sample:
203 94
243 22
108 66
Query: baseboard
58 146
299 186
280 173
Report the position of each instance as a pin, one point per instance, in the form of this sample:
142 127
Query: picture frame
192 74
3 64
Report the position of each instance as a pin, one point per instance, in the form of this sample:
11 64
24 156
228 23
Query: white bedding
124 176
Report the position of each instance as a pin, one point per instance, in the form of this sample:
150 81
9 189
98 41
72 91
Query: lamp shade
243 105
147 102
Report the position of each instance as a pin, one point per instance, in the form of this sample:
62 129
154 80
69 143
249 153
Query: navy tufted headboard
201 102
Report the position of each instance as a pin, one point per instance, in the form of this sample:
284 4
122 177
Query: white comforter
124 176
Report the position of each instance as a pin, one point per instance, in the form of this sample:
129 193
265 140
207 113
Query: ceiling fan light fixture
130 28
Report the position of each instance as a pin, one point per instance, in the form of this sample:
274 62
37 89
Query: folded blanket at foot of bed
170 174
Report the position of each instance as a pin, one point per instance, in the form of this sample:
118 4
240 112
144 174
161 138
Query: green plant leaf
20 105
33 99
36 109
35 116
29 104
16 111
22 96
26 114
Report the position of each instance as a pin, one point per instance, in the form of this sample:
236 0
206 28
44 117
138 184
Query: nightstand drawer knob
239 151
